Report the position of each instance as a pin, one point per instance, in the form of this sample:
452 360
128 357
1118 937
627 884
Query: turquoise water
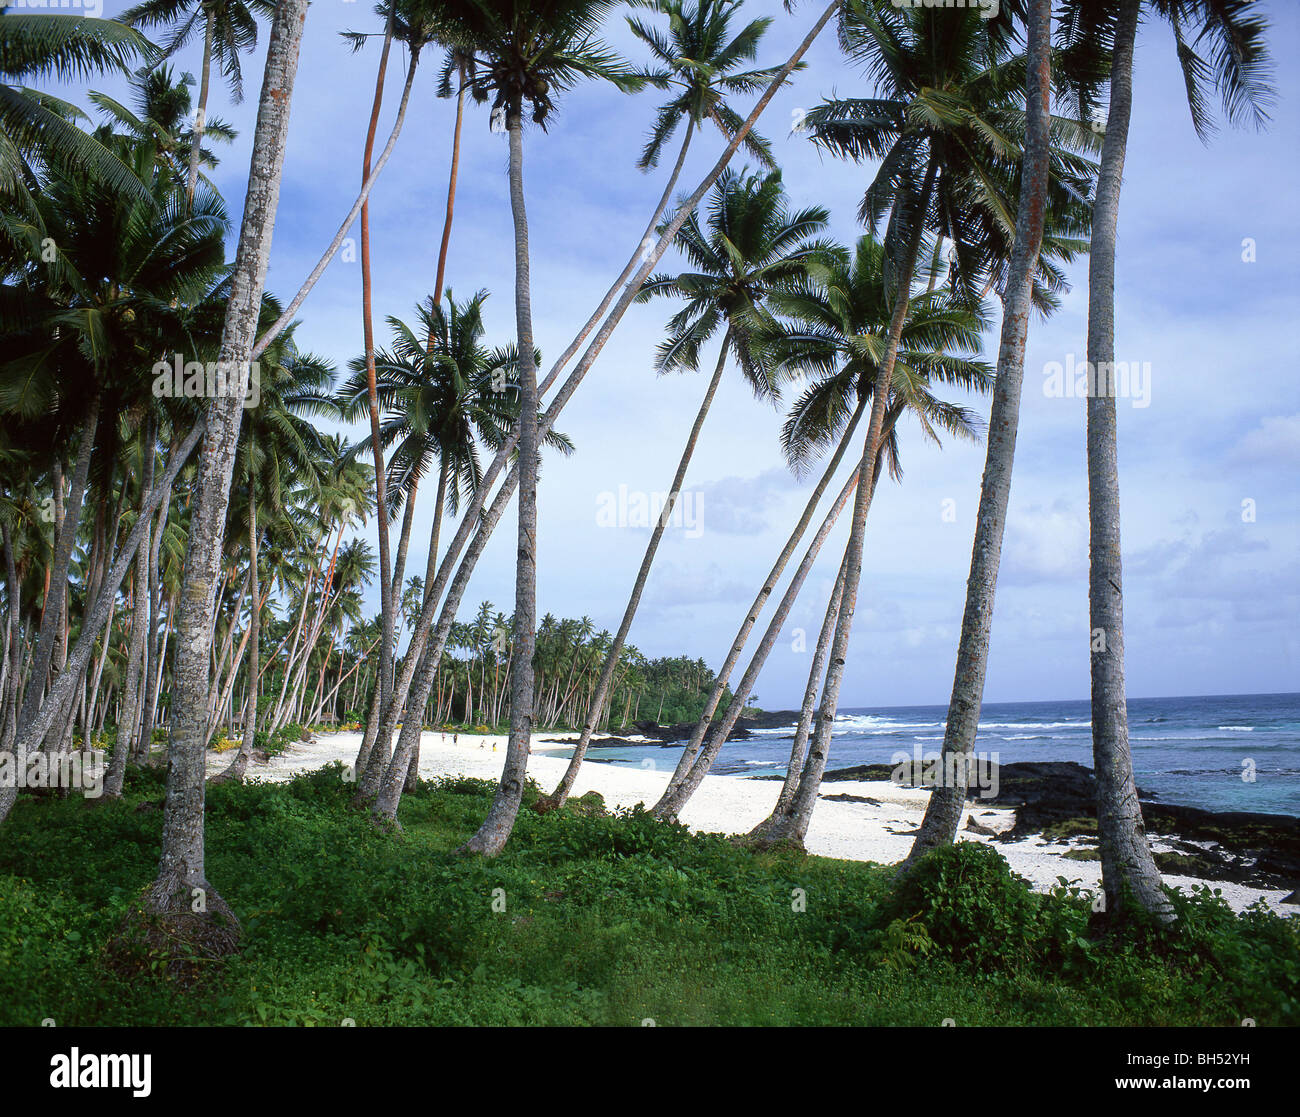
1192 751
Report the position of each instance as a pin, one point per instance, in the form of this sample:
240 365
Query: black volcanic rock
1060 798
599 742
742 731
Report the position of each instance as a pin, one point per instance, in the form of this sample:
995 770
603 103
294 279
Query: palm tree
276 442
181 865
944 810
161 118
229 28
835 326
697 61
443 397
437 387
1234 60
129 269
754 246
479 522
947 133
386 581
473 404
36 128
528 51
418 389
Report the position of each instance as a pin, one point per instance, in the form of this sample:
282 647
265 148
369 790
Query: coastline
856 820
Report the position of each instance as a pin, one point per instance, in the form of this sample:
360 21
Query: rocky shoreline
1057 801
669 736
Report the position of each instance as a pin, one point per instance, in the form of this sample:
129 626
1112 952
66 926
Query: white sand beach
878 831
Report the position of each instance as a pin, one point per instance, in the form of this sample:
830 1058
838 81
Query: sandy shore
853 831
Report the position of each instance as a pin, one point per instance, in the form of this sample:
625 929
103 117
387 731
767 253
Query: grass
590 918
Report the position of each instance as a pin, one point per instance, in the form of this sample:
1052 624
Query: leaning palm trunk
291 656
430 572
8 705
238 766
154 658
596 705
794 829
278 326
675 798
136 666
452 176
222 668
470 517
97 673
403 545
692 749
383 717
492 835
181 886
640 255
943 813
52 609
95 622
1128 871
201 114
799 748
387 597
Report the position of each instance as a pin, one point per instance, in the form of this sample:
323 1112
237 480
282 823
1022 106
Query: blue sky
1212 598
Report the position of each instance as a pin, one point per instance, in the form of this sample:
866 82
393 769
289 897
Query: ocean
1189 751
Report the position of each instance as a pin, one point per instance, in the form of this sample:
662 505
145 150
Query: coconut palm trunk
692 749
470 517
13 646
156 636
403 545
181 887
57 587
201 113
492 835
601 693
794 829
136 665
943 813
387 597
676 797
239 765
443 248
452 177
1128 870
430 572
799 748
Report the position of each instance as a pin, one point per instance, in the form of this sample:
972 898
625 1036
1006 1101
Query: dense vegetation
607 919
